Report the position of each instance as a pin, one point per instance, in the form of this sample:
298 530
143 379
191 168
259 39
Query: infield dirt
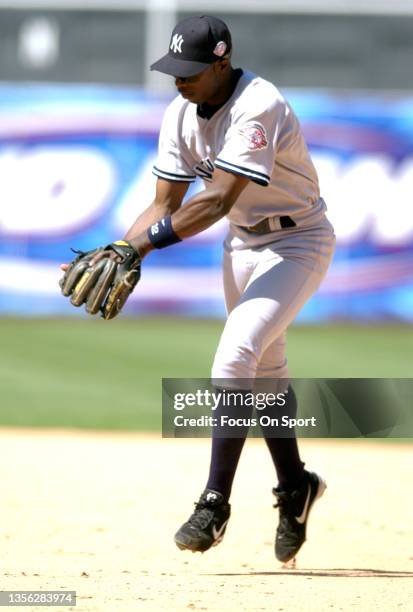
96 513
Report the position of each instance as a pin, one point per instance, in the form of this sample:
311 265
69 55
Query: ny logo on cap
176 43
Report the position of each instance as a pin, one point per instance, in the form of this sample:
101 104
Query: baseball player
236 131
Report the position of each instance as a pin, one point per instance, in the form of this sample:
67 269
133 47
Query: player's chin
191 96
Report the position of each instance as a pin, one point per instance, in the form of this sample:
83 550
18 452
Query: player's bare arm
104 278
200 212
168 199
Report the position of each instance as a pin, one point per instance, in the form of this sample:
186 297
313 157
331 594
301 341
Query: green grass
88 373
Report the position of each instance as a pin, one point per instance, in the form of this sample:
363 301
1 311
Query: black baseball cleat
294 507
206 526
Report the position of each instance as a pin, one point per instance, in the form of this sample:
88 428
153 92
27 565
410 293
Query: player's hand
102 278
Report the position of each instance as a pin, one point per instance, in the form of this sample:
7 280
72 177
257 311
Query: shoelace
286 501
202 516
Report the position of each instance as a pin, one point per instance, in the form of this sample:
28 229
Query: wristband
161 234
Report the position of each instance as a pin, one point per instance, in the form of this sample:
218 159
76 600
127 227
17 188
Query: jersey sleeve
172 162
250 145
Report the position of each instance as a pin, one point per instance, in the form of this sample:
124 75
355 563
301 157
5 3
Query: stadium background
94 510
79 117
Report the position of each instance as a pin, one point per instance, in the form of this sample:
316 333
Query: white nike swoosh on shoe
301 519
218 533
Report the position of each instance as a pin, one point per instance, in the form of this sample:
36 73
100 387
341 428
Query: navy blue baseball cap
196 43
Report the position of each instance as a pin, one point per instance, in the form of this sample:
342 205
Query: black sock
228 441
284 450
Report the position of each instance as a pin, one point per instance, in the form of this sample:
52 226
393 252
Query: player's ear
222 64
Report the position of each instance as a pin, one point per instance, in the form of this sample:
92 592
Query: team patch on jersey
255 136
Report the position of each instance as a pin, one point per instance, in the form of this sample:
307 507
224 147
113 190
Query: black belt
263 227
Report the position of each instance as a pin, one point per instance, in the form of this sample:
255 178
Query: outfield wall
75 167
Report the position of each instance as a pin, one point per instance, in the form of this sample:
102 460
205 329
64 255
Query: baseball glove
106 284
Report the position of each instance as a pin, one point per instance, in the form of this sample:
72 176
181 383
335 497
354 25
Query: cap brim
177 67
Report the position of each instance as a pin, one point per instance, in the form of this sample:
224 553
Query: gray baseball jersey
255 134
267 277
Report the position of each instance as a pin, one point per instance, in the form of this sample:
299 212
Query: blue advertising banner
76 170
